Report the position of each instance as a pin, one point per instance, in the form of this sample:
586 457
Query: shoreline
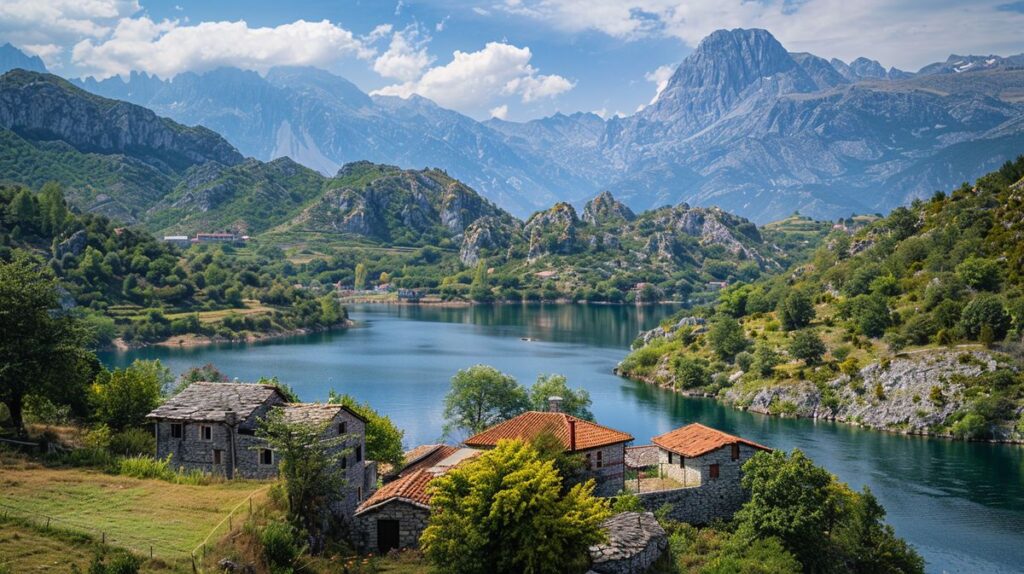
833 419
463 303
193 341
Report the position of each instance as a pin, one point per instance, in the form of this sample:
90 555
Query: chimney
554 404
572 434
230 418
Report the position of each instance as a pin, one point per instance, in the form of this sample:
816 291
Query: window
344 462
205 432
670 458
343 428
735 451
266 456
175 430
713 471
217 454
600 463
359 453
682 461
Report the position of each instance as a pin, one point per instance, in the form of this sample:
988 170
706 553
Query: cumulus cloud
474 79
44 26
500 112
406 56
167 48
896 32
660 77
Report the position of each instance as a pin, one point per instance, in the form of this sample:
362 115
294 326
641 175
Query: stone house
212 427
603 449
707 463
396 515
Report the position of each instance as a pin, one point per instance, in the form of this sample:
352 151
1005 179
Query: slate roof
530 424
696 439
641 456
208 402
315 413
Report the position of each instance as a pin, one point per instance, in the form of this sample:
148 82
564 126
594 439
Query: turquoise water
960 504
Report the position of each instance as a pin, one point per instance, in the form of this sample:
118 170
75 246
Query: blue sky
516 59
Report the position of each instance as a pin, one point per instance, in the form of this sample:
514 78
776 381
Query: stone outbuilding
602 448
396 515
635 542
211 427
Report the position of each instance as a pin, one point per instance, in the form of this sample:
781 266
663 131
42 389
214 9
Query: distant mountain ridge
743 124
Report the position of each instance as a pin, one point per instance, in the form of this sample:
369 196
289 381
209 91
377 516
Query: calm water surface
960 504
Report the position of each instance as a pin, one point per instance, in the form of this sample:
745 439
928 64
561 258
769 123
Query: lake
960 504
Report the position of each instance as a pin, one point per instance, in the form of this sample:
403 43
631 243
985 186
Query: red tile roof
410 488
696 439
530 424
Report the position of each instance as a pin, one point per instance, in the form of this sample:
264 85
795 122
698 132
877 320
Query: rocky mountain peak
12 58
606 209
727 67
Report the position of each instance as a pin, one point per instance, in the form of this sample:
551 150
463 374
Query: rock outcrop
605 209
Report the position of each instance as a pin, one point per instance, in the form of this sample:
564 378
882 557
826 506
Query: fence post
250 505
193 561
47 522
150 551
104 537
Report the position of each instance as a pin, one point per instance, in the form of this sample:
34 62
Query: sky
511 59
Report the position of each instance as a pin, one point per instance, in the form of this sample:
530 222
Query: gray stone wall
635 542
412 520
611 475
714 498
686 471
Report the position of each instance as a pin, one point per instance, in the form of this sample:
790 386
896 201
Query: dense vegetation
942 276
125 283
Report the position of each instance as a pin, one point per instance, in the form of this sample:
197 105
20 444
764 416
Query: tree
692 372
207 373
481 397
871 312
806 345
42 351
985 309
796 311
765 359
123 397
505 512
726 337
383 438
310 467
360 279
980 273
285 389
575 402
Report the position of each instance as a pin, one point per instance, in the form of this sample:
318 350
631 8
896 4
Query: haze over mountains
742 124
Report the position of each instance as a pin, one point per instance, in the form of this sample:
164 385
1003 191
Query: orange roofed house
603 449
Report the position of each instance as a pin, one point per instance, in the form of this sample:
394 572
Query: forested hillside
913 323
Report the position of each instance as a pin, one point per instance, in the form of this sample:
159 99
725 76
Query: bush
280 546
985 309
806 345
691 372
146 467
120 563
133 442
972 425
796 311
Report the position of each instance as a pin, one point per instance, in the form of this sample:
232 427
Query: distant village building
211 427
717 285
220 238
409 295
178 240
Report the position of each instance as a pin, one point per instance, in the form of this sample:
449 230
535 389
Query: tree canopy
575 402
383 438
482 396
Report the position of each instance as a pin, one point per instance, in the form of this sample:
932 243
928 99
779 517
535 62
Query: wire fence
164 550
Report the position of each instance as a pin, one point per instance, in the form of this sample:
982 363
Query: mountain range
742 124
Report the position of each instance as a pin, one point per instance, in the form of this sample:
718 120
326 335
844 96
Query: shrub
985 309
972 425
280 546
726 337
796 311
691 372
936 397
146 467
133 442
119 563
806 345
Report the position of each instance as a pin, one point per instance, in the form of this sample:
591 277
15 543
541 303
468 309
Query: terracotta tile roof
209 401
696 439
410 488
425 456
530 424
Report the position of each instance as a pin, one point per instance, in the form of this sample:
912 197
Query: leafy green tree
310 467
796 311
807 346
383 438
575 402
570 466
980 273
482 396
871 313
725 335
289 393
766 358
985 309
505 512
43 352
360 278
692 372
123 397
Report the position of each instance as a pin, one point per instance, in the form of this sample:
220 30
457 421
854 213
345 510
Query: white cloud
474 79
660 77
500 112
903 33
32 24
167 48
439 27
406 56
